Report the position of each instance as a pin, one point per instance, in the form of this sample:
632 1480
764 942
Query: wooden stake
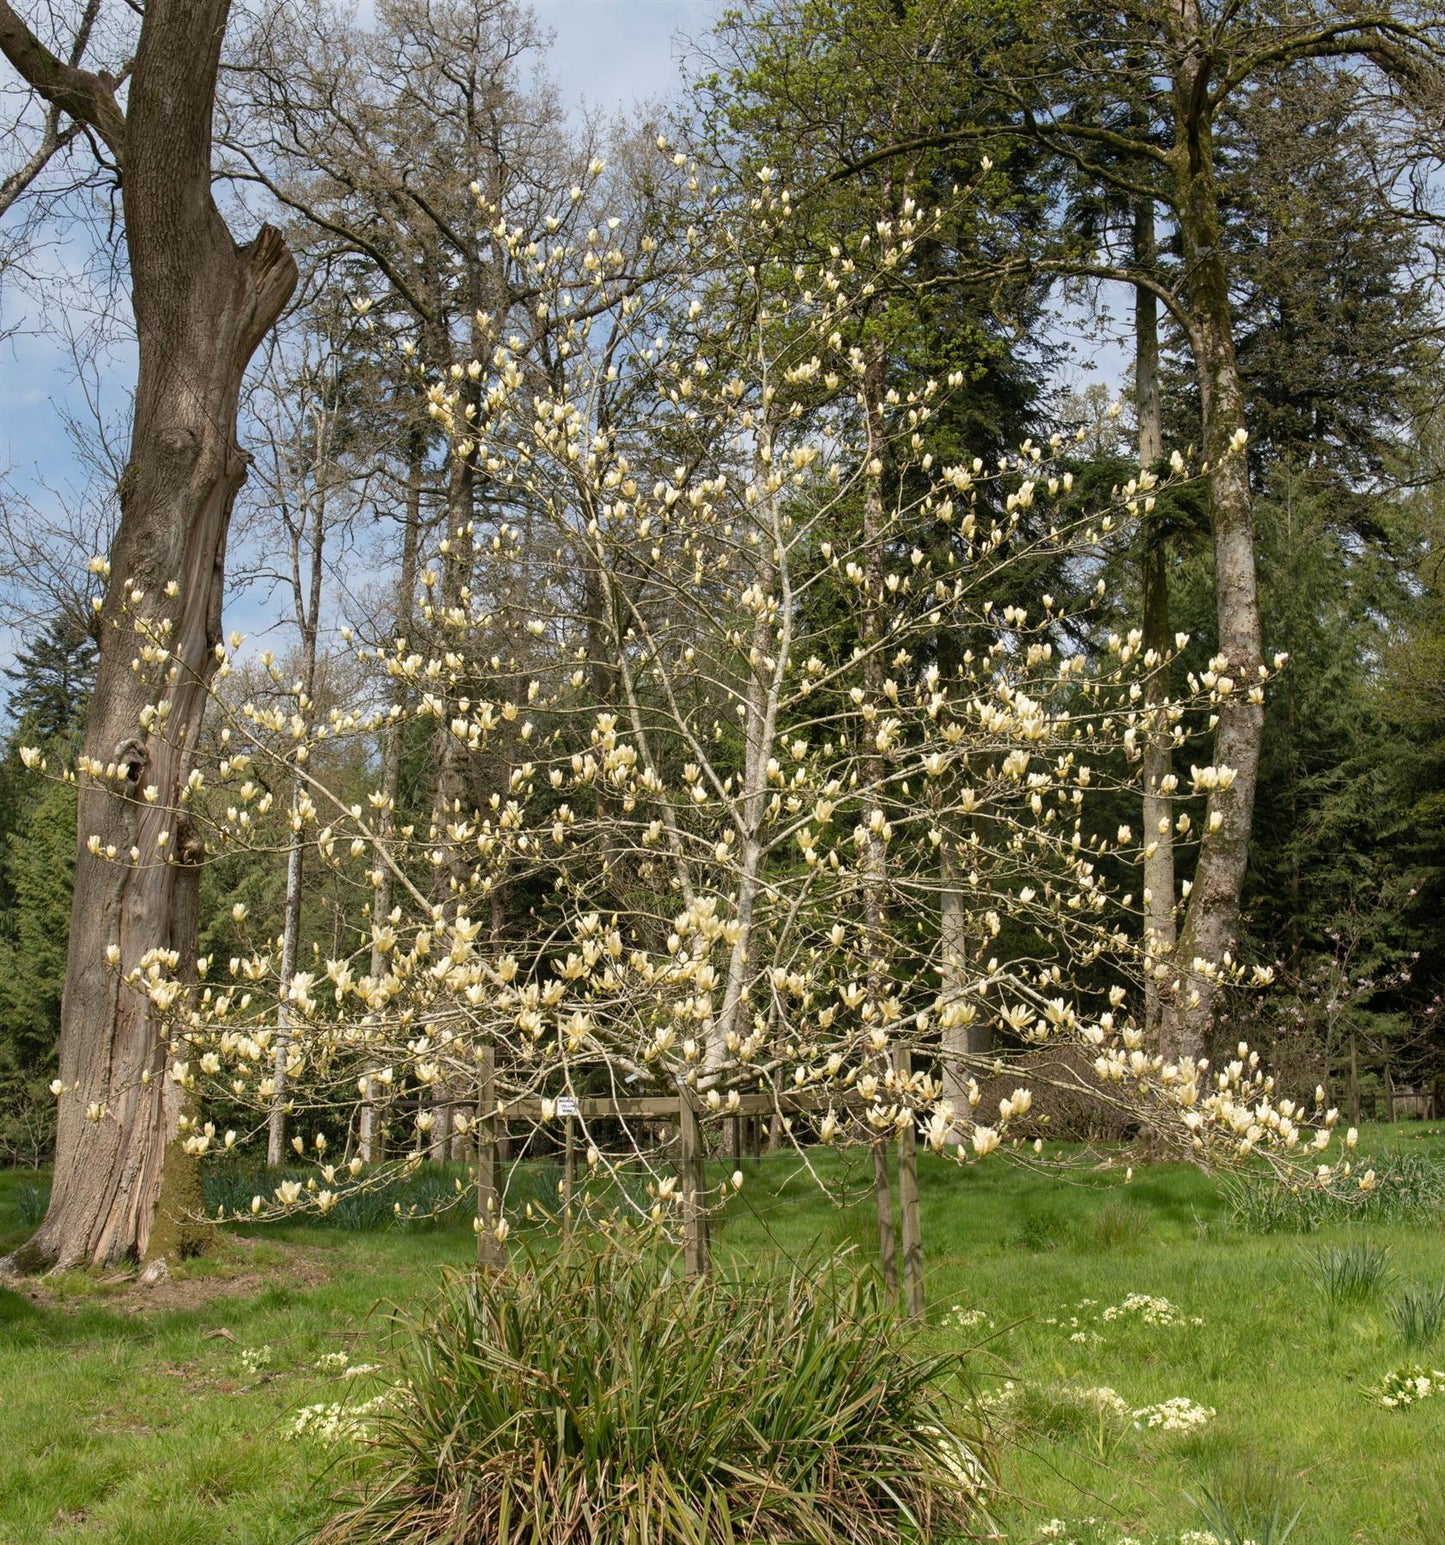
569 1175
883 1197
913 1302
693 1179
491 1254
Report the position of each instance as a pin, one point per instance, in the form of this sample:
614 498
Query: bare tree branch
86 96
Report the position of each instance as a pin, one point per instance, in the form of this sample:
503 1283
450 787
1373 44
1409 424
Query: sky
607 53
613 52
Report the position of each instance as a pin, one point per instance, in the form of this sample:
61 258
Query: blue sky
613 52
609 53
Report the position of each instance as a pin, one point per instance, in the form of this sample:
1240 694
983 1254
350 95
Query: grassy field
168 1414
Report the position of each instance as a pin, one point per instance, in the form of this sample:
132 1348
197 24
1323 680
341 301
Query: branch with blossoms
778 782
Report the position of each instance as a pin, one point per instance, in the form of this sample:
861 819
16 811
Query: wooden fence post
491 1253
913 1303
883 1199
913 1300
693 1178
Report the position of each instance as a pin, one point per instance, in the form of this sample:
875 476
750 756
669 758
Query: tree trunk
964 1036
870 634
202 305
1159 925
290 939
369 1132
307 605
759 725
450 873
1354 1089
1211 923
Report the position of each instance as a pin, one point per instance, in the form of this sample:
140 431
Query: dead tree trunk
202 306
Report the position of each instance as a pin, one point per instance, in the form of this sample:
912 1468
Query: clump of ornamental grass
601 1396
30 1205
1116 1226
1409 1188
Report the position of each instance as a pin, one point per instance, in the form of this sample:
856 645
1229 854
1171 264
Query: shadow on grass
25 1323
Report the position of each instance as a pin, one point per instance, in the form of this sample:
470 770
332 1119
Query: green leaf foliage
601 1396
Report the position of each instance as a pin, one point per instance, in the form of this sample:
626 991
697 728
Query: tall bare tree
310 488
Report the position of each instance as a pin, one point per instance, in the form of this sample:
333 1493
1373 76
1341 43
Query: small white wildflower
253 1359
1174 1415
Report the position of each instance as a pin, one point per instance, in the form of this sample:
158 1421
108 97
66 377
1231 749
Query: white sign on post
566 1105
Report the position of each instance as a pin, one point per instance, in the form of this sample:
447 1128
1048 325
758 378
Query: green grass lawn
166 1415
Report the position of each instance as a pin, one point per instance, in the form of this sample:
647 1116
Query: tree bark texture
202 305
1211 923
1160 928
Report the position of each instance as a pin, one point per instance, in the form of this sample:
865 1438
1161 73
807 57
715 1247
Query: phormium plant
601 1396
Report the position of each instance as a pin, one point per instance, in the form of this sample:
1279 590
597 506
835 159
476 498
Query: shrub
27 1119
598 1396
1069 1104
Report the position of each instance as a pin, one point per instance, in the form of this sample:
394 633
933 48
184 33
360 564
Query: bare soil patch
236 1268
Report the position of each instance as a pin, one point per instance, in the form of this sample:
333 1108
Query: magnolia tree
754 785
